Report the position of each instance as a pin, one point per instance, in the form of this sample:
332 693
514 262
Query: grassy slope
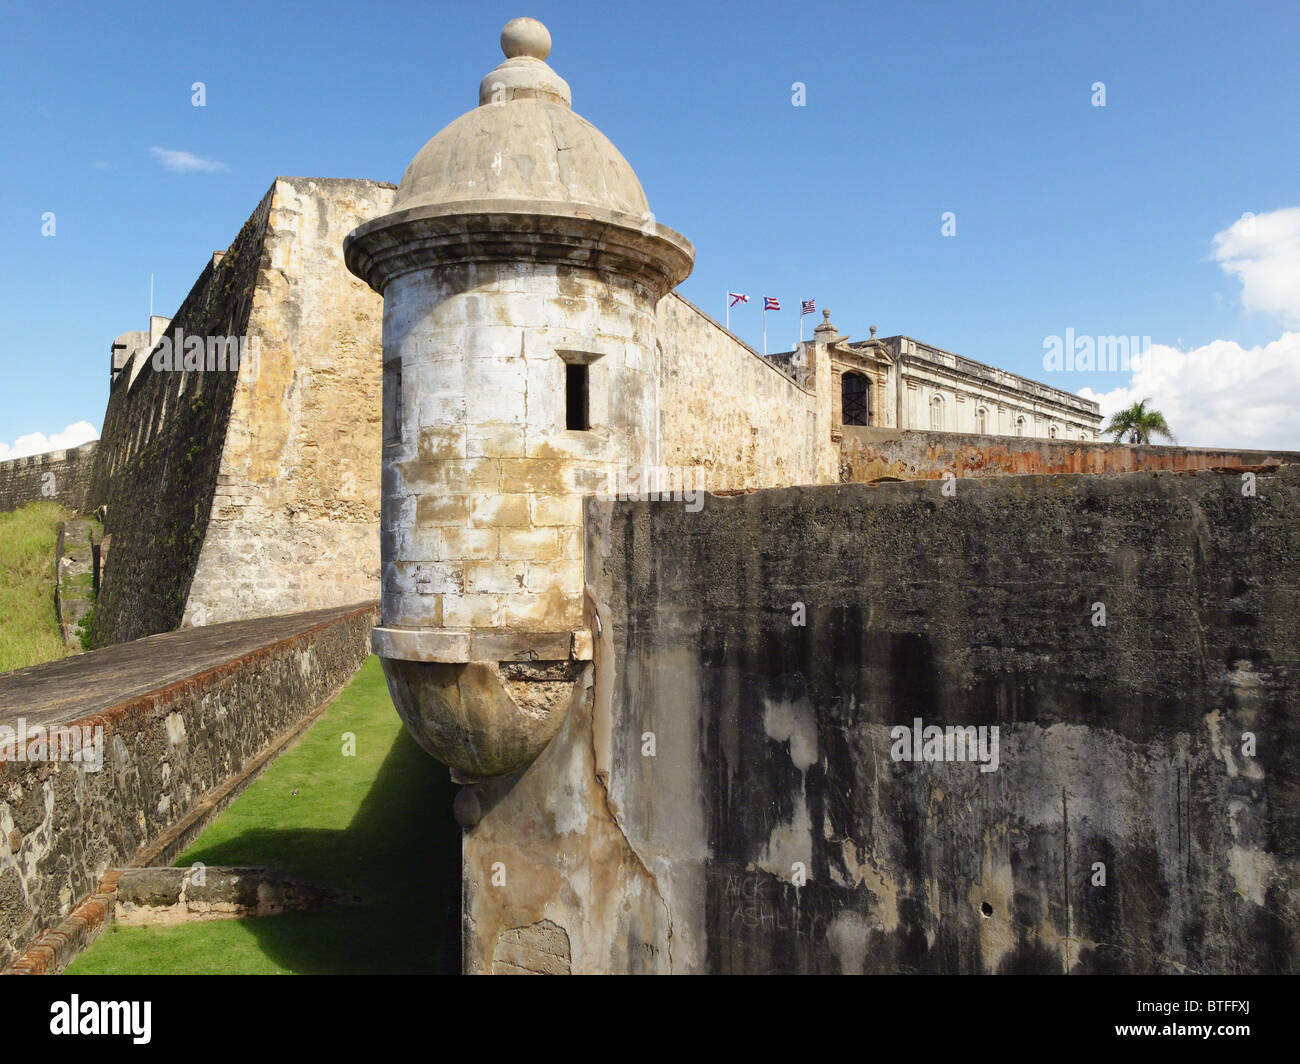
29 631
378 824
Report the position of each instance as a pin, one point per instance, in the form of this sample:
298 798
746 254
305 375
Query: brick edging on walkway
58 947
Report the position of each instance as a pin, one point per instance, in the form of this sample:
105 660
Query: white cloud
1219 395
183 162
1263 251
74 435
1223 394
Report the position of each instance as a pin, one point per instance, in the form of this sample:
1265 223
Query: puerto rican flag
736 297
771 304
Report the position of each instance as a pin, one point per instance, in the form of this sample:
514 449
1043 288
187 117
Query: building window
936 413
576 413
1020 425
855 399
981 420
1051 432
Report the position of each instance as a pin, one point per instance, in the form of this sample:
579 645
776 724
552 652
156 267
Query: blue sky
1099 219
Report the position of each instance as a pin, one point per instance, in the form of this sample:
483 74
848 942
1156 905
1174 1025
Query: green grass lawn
29 631
378 824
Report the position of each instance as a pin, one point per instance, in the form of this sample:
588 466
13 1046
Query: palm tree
1139 423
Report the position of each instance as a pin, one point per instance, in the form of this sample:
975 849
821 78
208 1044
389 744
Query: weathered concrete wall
868 454
56 476
235 494
726 411
62 826
295 510
1120 744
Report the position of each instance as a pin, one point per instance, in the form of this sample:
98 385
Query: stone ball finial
525 37
826 316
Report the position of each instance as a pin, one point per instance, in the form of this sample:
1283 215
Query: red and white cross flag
732 299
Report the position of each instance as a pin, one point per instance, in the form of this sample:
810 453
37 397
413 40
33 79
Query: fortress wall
57 476
160 450
295 510
239 493
868 454
1121 746
726 410
167 753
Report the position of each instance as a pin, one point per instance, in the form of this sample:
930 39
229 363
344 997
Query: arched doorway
855 399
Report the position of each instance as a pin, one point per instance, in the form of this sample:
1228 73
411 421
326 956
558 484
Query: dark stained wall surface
160 452
1130 825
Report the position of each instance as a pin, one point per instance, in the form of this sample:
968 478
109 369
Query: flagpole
727 300
765 326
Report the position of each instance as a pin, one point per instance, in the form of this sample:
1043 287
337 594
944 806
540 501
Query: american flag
807 307
771 304
736 297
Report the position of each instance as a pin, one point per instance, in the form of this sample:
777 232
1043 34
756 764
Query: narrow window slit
576 413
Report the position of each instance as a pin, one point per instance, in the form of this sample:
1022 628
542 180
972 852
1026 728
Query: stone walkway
77 686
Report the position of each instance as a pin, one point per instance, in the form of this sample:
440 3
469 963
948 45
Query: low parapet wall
56 476
868 454
169 751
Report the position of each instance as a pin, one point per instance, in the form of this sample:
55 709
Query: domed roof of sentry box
523 141
520 178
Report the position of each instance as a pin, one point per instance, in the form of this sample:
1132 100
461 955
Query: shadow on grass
400 853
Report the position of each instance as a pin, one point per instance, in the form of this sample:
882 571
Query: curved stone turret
496 184
520 268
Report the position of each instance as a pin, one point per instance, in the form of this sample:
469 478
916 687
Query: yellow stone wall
295 515
726 411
